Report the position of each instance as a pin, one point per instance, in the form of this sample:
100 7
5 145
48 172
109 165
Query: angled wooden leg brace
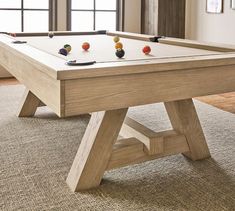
184 120
98 152
95 149
28 104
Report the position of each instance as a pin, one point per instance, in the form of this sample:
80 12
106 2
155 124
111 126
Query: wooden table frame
119 86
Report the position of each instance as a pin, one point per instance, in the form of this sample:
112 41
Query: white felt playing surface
103 48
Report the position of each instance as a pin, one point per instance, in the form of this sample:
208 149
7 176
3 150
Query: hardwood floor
8 81
225 101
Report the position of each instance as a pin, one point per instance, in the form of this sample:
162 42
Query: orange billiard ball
119 45
146 50
85 46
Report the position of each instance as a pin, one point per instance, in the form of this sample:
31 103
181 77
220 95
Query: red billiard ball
13 34
146 50
85 46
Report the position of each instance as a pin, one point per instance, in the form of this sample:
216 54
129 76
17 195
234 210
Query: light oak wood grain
184 120
95 149
132 128
56 67
143 37
140 89
28 104
146 66
153 142
4 73
31 74
131 151
198 45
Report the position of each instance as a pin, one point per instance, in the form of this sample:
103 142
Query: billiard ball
120 53
13 34
63 51
51 34
116 39
119 45
146 50
68 47
85 46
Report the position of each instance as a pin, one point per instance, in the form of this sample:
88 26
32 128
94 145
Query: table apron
114 92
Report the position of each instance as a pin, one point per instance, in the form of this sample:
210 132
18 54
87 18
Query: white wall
210 27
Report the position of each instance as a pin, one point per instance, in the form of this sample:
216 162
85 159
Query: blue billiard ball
63 51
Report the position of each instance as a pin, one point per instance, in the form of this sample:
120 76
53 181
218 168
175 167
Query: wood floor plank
225 102
8 81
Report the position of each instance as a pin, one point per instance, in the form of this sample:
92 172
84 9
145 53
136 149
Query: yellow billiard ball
68 47
116 39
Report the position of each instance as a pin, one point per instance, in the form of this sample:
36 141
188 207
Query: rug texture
36 155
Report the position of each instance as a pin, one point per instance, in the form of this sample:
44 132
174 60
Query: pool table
175 71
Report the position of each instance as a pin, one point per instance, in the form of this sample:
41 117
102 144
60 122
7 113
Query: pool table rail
199 45
56 67
56 33
33 74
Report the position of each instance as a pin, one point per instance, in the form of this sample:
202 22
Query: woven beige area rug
37 153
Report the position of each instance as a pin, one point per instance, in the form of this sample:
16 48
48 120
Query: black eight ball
120 53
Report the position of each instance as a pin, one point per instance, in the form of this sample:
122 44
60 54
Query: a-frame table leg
28 105
95 149
184 119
